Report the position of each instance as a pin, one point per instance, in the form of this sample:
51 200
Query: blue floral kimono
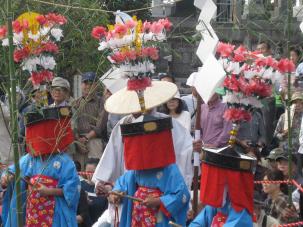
59 167
175 195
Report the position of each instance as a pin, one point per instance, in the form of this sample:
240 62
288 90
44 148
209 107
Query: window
224 11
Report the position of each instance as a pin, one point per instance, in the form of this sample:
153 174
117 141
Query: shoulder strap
264 222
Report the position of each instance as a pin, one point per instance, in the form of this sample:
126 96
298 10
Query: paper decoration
208 11
209 78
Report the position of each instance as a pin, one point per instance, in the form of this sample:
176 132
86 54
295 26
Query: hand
289 212
152 202
42 189
210 145
102 188
197 145
244 143
284 133
115 198
83 139
5 179
190 215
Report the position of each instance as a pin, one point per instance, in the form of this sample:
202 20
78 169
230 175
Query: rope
273 182
292 224
99 10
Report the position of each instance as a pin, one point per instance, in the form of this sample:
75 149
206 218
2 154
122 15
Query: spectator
60 92
262 220
251 134
90 120
214 128
276 204
96 205
265 48
295 55
174 108
282 165
271 158
281 131
83 218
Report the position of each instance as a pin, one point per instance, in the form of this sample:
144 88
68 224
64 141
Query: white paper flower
30 64
57 33
47 62
34 37
44 30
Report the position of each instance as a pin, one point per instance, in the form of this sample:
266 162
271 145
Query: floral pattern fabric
143 216
40 209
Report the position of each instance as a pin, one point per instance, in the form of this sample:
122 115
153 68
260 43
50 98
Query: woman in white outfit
174 108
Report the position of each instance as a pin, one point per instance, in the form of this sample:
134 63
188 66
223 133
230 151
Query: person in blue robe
234 218
175 195
57 166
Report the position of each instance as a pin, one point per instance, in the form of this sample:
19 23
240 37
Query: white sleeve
111 164
183 145
187 120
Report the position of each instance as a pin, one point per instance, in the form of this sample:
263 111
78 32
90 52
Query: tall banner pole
289 123
197 157
13 114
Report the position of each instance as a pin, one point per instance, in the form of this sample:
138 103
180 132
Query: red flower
21 54
49 47
39 77
237 114
225 49
3 32
53 19
286 66
232 83
17 27
98 32
138 84
41 19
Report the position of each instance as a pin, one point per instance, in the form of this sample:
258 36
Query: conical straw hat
127 102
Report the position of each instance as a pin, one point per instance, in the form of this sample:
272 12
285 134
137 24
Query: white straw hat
127 102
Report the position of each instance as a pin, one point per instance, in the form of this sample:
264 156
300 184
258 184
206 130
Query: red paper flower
131 55
17 27
39 77
118 57
240 54
286 66
53 18
3 32
138 84
98 32
237 114
49 47
21 54
41 19
225 49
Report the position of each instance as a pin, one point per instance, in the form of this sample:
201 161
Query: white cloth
301 138
184 120
111 165
5 140
191 103
271 222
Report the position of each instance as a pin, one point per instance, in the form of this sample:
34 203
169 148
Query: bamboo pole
289 20
13 114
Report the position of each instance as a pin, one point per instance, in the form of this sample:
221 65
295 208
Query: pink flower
120 30
131 24
131 55
21 54
156 27
286 66
225 49
153 53
25 24
146 26
49 47
17 27
118 57
3 32
166 23
240 54
98 32
41 19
